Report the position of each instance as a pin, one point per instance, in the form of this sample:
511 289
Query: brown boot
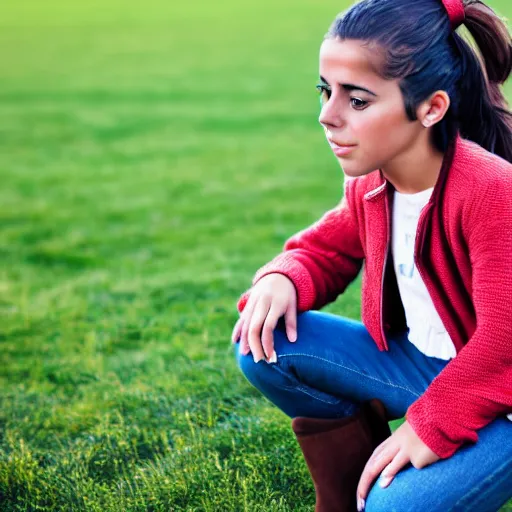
336 451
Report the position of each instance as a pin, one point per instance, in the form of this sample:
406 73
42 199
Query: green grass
151 157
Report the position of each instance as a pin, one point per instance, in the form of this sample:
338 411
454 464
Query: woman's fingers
254 333
246 321
290 321
267 333
237 331
381 457
257 322
390 471
244 346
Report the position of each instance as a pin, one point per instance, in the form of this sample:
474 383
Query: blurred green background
152 156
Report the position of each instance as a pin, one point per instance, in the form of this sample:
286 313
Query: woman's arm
321 260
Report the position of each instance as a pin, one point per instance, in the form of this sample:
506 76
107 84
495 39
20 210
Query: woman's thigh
335 364
477 478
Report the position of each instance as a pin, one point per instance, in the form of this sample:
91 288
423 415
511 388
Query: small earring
426 123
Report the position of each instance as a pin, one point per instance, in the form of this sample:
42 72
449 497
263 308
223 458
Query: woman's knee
243 360
262 373
408 491
307 324
388 499
254 372
282 345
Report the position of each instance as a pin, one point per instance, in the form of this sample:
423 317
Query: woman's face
363 114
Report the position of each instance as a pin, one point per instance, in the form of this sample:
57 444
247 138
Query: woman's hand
271 297
402 447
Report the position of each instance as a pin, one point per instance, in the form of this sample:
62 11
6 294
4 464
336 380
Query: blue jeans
335 365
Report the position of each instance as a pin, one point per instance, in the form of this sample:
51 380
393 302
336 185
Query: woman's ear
432 110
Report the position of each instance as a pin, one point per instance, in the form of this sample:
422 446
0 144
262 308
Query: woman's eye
324 93
358 103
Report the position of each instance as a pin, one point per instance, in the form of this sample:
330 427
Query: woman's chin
353 171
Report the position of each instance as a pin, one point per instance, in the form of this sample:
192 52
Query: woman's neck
416 169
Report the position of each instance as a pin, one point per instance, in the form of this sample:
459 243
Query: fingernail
385 481
273 357
258 360
360 504
293 338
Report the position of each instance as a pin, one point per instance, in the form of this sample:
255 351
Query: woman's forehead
349 59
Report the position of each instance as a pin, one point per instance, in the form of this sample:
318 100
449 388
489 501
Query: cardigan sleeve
475 387
321 260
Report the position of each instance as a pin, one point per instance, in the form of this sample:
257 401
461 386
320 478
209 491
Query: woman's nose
331 115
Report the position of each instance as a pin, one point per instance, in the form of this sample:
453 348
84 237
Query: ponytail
484 116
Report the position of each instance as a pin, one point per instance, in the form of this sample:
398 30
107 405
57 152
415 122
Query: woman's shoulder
479 186
474 166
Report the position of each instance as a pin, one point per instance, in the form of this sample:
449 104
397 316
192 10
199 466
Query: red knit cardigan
463 252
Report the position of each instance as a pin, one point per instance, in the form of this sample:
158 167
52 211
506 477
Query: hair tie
455 9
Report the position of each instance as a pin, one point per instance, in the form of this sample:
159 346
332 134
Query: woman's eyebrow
351 87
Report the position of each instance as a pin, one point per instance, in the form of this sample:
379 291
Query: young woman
422 132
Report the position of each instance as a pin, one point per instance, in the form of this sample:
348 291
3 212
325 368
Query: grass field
152 157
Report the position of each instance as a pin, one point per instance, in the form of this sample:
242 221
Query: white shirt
426 330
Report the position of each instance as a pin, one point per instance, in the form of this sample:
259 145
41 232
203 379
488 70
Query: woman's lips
341 149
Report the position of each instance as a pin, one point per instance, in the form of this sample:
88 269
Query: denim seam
304 389
355 371
477 490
